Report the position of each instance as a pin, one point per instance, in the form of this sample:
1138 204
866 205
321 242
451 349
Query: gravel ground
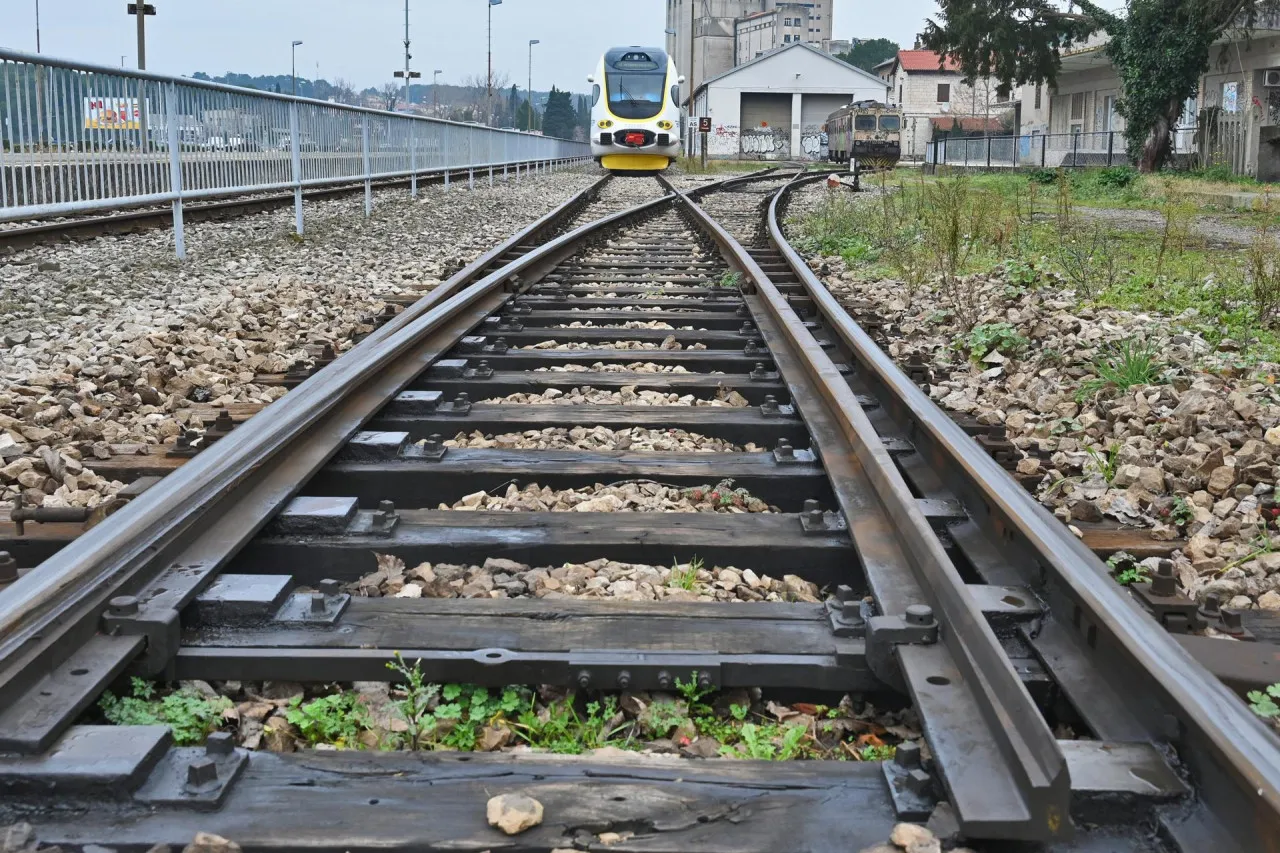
629 496
1195 457
669 343
1215 230
599 438
111 341
628 396
499 578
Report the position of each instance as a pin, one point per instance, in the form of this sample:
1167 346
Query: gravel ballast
111 341
1194 457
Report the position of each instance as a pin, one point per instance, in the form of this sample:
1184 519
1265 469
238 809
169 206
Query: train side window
864 122
890 123
675 94
595 94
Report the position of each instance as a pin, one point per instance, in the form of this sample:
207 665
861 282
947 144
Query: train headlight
604 124
665 125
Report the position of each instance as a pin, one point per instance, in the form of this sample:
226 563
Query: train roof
636 58
862 105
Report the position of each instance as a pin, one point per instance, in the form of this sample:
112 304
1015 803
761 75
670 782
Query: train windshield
864 122
636 95
890 122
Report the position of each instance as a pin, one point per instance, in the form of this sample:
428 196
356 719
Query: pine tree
559 119
869 53
1159 47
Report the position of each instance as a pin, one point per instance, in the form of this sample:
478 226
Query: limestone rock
513 813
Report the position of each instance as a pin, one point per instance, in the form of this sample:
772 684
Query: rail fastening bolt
747 328
624 680
664 679
387 507
123 605
785 450
201 772
919 614
1164 584
219 743
907 755
704 680
1232 622
8 567
813 512
584 678
1212 604
462 400
318 603
329 586
919 782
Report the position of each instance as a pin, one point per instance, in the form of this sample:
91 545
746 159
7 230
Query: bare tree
390 93
344 91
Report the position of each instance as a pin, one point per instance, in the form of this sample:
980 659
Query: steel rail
1204 706
102 555
1014 721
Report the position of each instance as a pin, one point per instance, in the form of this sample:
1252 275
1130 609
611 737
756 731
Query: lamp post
435 90
294 51
489 109
37 26
533 114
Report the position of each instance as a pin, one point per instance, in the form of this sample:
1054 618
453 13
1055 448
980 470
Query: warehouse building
776 106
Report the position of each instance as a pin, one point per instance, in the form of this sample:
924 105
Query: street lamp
37 26
435 91
489 116
533 114
294 52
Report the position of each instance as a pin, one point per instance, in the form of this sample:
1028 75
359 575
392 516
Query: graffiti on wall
813 143
766 143
723 141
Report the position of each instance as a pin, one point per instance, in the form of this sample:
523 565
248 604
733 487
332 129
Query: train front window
890 122
864 122
636 96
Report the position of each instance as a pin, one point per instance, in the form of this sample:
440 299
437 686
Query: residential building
712 25
935 99
1233 119
775 107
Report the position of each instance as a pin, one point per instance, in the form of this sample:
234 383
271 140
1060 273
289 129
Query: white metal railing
77 138
1045 150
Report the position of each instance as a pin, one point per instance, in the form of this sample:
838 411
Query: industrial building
729 33
775 107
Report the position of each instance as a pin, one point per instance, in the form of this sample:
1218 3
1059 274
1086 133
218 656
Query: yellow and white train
635 112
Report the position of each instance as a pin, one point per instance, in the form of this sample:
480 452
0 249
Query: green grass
938 229
693 166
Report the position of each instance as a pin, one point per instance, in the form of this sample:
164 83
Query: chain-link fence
77 138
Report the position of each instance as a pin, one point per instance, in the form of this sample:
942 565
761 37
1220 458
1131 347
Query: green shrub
1116 177
1043 176
992 337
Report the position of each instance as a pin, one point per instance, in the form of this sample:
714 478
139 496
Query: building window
944 93
1077 106
899 93
1003 92
1108 113
1037 96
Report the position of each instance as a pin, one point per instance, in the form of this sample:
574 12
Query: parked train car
866 133
635 114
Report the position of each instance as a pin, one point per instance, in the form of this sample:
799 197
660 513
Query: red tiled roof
924 60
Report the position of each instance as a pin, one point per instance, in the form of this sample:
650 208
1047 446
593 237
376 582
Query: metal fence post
1075 149
368 170
988 153
413 161
1111 146
295 157
1044 146
175 169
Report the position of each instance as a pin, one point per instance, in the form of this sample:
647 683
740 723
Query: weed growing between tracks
414 714
942 231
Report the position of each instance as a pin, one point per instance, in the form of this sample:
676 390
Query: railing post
295 157
988 153
1075 150
1111 146
1044 146
368 169
175 170
413 160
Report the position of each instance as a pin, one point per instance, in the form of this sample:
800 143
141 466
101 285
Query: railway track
1054 710
15 237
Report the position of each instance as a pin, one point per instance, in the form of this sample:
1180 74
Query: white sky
361 40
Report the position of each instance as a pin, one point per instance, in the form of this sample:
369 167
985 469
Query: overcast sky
362 40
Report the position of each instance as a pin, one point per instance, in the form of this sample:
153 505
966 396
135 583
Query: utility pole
37 26
293 50
533 114
435 91
406 73
489 109
693 23
141 10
